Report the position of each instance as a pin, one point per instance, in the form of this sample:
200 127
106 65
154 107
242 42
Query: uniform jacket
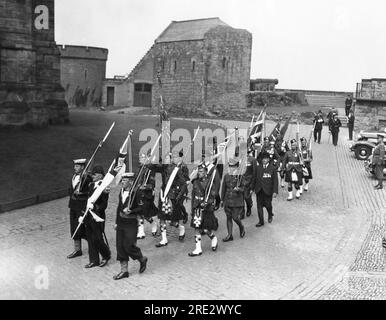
79 201
179 186
229 196
292 161
306 154
318 122
200 188
122 218
379 154
348 103
335 125
266 179
250 171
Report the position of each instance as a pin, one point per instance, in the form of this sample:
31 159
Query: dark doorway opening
110 96
142 94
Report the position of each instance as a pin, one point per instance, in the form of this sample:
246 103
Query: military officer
293 170
204 220
307 159
95 230
335 128
79 191
266 187
350 124
378 161
232 196
126 226
318 126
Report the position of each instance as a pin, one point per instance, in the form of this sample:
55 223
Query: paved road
325 246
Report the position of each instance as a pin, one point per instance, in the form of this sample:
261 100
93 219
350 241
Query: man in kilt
292 165
204 221
146 199
307 159
126 226
79 191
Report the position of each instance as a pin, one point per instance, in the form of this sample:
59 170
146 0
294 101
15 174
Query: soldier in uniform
293 170
318 126
146 199
378 161
204 220
185 172
348 103
126 226
307 159
95 230
79 190
176 196
335 128
250 173
266 187
232 196
281 149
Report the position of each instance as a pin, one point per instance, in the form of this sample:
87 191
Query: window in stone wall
224 62
163 65
193 66
175 66
85 74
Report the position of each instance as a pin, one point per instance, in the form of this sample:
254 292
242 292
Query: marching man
126 226
307 159
266 187
204 220
79 191
232 196
146 199
95 231
293 170
249 175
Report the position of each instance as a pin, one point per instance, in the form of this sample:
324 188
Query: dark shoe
249 212
143 265
121 275
154 234
379 188
376 187
141 238
160 245
259 225
228 238
181 238
214 249
104 262
242 232
75 254
91 265
270 219
185 221
194 254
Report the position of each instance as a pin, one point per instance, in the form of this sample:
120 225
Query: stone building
30 89
201 63
83 71
370 107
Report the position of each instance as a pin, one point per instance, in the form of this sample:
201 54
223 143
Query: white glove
90 206
80 220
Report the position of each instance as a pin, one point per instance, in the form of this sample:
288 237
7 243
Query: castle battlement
83 52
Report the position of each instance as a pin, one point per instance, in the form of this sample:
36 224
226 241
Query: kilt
309 171
177 213
74 222
289 179
150 210
207 220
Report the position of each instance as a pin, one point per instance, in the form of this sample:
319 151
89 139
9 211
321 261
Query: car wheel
362 152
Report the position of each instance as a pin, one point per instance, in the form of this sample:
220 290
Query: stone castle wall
83 70
30 90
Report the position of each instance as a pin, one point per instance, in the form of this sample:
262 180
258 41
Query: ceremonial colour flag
255 135
117 168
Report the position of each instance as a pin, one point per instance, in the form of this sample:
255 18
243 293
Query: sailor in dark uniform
379 161
204 220
266 187
95 231
126 225
79 190
293 170
232 196
146 196
307 159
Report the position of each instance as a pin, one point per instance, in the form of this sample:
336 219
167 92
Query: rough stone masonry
30 89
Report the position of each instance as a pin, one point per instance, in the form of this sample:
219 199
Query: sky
305 44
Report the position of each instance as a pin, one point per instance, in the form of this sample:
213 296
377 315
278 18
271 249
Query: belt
293 162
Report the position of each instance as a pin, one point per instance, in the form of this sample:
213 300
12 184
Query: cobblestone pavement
325 246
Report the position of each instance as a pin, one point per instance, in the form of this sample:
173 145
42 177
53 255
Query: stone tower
30 89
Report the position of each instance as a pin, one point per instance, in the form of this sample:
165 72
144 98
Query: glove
80 220
90 206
